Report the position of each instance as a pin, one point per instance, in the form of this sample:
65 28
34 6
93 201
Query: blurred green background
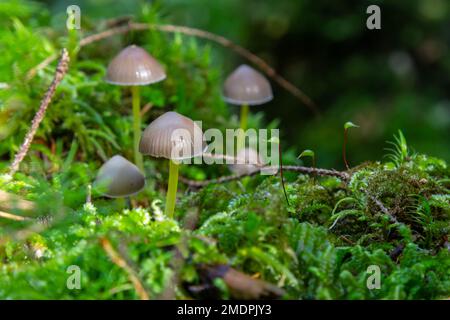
383 80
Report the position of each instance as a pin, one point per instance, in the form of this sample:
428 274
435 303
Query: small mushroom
247 161
246 87
134 67
119 178
174 137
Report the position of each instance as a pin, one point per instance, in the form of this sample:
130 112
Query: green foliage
399 151
317 248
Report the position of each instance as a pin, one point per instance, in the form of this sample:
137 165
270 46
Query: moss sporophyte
347 126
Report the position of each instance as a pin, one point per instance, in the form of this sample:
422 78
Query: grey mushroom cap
172 136
245 85
248 161
119 178
133 66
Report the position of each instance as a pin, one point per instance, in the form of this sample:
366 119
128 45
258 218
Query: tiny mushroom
174 137
246 87
134 67
119 178
247 161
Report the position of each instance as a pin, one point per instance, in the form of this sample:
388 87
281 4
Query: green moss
394 214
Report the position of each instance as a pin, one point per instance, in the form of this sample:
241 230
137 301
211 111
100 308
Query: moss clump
394 215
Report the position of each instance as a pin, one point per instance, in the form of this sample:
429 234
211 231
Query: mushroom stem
243 126
121 203
136 126
171 189
244 116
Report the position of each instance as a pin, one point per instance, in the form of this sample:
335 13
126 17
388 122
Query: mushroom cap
133 66
248 161
172 136
120 177
245 85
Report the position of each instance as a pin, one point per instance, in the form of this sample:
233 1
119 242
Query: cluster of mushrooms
135 67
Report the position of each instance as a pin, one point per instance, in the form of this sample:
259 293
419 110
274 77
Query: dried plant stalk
119 261
10 201
14 217
169 28
61 70
307 170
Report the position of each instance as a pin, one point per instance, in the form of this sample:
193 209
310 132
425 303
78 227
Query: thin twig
195 32
257 61
33 71
306 170
105 34
10 201
229 159
39 225
347 239
14 217
121 262
61 70
146 108
177 263
381 206
118 21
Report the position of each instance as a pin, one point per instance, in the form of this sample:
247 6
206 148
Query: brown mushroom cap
248 161
133 66
172 136
245 85
120 177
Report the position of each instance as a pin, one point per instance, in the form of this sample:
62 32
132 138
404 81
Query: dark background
383 80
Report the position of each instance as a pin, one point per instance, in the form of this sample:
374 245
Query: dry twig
381 206
177 262
306 170
10 201
248 55
33 71
14 217
61 70
121 262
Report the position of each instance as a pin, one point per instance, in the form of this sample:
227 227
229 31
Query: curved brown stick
60 72
9 201
32 72
260 63
14 217
117 259
227 158
380 205
306 170
264 66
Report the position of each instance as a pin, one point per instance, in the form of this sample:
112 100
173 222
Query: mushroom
246 87
119 178
248 161
174 137
134 67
